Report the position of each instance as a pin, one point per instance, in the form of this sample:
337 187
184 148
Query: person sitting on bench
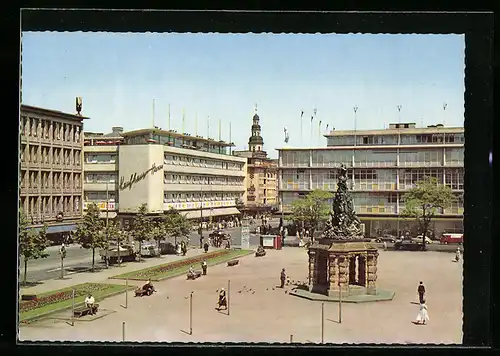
149 287
89 303
191 273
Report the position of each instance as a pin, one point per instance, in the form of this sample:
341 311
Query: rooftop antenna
183 120
220 136
208 127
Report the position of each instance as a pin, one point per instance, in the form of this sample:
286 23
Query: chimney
117 129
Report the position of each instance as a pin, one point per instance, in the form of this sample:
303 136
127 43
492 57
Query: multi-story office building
163 169
100 180
262 172
383 165
51 169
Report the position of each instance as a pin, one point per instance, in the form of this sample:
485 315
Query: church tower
256 142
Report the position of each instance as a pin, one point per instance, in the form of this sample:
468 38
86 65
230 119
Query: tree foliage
142 226
158 232
90 233
177 225
425 201
32 243
312 209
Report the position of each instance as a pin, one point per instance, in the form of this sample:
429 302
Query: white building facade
382 166
165 170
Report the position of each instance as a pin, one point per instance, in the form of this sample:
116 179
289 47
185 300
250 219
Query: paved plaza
260 312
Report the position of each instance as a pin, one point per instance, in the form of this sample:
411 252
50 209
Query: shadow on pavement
30 284
186 332
333 321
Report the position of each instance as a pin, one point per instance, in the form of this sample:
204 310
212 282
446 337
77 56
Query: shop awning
196 214
111 215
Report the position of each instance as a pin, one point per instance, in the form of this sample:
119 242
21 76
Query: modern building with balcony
51 184
262 173
164 169
383 165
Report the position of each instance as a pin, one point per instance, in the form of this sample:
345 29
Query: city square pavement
260 312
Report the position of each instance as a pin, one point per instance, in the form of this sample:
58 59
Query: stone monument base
379 296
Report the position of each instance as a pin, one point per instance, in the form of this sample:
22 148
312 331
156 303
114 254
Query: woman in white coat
422 316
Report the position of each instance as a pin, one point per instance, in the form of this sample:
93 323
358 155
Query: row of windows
393 139
202 162
361 201
100 196
366 158
177 142
36 206
50 155
198 179
371 179
100 177
100 158
50 130
35 179
176 197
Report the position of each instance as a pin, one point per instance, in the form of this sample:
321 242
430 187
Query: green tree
158 230
114 233
312 209
425 201
32 244
91 233
142 226
177 225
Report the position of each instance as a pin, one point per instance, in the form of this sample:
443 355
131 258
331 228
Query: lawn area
62 298
177 268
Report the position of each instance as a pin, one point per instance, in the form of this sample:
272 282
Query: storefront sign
197 205
134 178
101 205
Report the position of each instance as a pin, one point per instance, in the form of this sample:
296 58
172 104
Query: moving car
219 233
447 238
410 245
126 253
419 239
386 238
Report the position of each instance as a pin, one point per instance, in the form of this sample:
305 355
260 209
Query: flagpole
220 130
301 131
169 117
230 142
183 120
208 127
153 113
196 124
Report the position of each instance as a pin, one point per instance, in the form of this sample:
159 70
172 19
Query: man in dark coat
205 246
283 278
421 292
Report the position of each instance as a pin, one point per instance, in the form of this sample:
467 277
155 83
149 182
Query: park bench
196 274
82 311
28 297
232 263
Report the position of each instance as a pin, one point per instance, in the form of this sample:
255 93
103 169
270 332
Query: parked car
410 245
386 238
149 249
126 253
428 240
447 238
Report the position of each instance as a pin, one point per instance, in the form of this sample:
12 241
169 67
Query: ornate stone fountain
341 261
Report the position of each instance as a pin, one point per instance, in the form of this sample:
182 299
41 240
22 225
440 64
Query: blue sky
222 76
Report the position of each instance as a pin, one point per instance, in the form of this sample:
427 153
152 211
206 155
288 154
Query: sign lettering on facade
134 178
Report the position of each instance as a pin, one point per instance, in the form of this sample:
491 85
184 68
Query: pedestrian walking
457 255
205 246
385 245
283 278
423 315
421 292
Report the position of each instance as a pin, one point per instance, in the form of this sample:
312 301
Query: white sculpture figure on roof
286 135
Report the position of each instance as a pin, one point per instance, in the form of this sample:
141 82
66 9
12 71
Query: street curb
34 318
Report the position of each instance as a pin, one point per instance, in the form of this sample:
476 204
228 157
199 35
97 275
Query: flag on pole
302 114
320 123
327 127
312 118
